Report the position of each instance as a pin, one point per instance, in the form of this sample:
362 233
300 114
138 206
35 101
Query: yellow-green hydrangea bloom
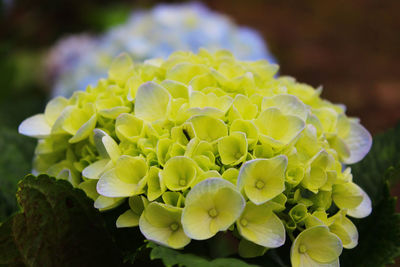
202 143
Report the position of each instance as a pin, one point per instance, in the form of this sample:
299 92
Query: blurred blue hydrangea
149 34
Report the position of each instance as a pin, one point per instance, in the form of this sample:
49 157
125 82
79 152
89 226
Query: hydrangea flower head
203 143
154 33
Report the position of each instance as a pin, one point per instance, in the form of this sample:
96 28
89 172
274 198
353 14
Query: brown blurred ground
352 48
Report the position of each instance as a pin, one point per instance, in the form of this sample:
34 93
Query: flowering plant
202 143
78 61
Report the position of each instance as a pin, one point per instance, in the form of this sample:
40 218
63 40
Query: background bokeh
349 47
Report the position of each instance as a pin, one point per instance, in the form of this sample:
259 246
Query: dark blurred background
349 47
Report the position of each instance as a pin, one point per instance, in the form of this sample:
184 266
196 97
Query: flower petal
359 142
261 185
151 102
35 126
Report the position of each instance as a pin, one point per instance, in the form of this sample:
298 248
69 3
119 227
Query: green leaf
55 220
172 257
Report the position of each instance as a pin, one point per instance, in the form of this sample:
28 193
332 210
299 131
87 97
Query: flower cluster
150 34
202 143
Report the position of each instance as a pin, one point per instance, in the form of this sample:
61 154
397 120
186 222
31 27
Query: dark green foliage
15 162
385 153
57 226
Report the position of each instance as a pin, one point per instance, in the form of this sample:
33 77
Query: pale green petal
131 169
328 118
298 213
231 175
184 72
175 199
233 148
121 68
244 107
306 261
261 226
54 108
206 175
263 179
340 146
104 203
363 209
316 246
179 173
127 219
110 185
151 102
178 239
128 127
73 119
347 195
85 130
94 170
35 126
229 205
345 230
155 185
159 235
204 214
176 89
208 128
111 147
277 128
162 224
211 100
287 104
314 179
196 221
111 107
318 239
246 127
132 85
163 148
202 82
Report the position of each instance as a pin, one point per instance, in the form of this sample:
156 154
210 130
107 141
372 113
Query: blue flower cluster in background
79 61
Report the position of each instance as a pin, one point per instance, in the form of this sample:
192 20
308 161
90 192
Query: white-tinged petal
94 170
362 210
287 104
359 142
35 126
110 185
